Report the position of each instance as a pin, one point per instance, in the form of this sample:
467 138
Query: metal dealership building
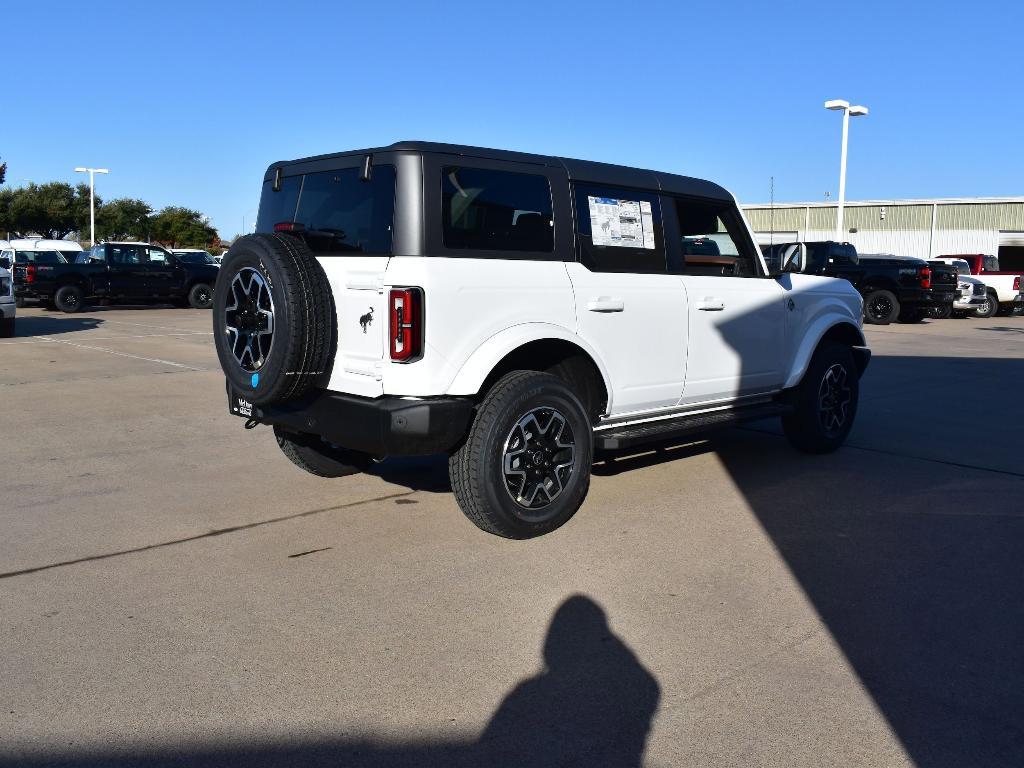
922 228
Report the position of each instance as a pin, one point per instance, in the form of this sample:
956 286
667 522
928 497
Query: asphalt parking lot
174 592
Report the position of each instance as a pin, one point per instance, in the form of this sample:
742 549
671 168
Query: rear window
342 214
488 210
38 257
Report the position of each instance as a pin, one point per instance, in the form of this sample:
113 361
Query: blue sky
188 102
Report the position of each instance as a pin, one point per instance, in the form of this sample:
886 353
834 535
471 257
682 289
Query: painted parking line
50 340
125 354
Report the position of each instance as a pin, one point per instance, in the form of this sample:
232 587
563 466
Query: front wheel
881 307
320 458
990 308
825 401
7 328
524 469
200 296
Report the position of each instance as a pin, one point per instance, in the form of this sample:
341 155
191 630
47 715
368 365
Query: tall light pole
848 111
92 198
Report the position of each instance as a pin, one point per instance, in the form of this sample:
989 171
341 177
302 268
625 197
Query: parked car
37 251
8 309
117 272
518 312
1003 289
971 292
195 256
893 287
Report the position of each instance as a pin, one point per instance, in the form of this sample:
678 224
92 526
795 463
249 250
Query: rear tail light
405 307
1016 283
289 226
925 274
30 273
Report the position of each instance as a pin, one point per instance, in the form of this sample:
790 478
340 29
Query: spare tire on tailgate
272 318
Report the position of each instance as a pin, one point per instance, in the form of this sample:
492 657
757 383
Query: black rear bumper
383 426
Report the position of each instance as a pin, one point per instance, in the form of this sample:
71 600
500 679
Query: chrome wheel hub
538 458
249 319
834 399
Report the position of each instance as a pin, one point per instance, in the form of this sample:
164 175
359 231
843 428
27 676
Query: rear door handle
710 304
606 304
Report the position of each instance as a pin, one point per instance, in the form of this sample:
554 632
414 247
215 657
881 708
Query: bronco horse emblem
366 319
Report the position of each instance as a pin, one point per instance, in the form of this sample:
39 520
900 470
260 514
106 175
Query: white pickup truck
1003 289
519 312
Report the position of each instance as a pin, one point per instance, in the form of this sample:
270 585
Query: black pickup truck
133 272
894 287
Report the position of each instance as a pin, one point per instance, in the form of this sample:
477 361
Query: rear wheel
825 401
990 308
881 307
311 453
941 312
200 296
524 469
69 298
19 302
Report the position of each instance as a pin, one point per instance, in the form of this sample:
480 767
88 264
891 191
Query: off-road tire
7 328
69 299
200 296
881 307
476 468
312 454
991 309
301 346
804 425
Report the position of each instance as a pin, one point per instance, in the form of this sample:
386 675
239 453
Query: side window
125 254
491 210
713 240
343 214
619 230
157 256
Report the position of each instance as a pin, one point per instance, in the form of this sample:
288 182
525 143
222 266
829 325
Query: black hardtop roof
579 170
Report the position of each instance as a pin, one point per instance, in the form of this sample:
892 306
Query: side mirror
5 263
794 258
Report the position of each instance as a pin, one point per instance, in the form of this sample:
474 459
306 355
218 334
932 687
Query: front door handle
606 304
710 304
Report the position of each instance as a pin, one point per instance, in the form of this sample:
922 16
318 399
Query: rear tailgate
944 281
360 307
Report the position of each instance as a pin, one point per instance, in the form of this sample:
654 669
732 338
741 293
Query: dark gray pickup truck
132 272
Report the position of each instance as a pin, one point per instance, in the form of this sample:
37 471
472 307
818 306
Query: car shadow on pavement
592 705
37 325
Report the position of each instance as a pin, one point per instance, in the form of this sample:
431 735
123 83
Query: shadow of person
592 705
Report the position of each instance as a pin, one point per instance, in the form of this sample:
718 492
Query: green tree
6 220
3 172
53 210
123 219
181 227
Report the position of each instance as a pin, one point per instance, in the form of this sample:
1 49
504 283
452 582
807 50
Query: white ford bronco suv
518 312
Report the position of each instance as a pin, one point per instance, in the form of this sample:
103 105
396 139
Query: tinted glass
619 230
344 214
126 254
491 210
278 206
713 239
38 257
192 257
70 256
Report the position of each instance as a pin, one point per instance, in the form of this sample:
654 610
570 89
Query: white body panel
469 302
637 323
738 338
1001 284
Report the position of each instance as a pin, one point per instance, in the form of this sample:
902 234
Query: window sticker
621 223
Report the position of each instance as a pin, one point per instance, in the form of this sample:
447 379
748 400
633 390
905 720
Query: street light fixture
848 111
92 198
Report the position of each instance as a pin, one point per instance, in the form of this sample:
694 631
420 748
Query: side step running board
616 439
